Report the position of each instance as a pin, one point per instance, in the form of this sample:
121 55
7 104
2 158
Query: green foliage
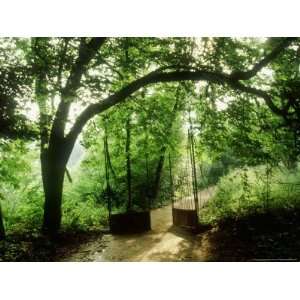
14 92
22 198
83 205
155 130
256 189
231 130
13 164
83 214
20 190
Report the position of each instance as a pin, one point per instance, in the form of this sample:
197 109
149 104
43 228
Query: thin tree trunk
158 173
128 163
69 175
107 154
148 195
2 229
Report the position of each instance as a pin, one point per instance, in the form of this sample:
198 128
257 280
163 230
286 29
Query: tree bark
53 162
55 149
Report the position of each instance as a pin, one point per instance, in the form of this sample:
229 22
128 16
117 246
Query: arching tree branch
240 75
233 80
120 96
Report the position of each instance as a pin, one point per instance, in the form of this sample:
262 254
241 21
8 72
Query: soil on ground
164 242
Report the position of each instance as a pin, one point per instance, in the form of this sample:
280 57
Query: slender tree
2 230
128 162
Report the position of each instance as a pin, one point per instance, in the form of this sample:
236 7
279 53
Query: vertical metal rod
105 146
190 186
268 184
147 172
171 180
191 160
194 171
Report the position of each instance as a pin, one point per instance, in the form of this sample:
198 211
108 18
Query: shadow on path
163 243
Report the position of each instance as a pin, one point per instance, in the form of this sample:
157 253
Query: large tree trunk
53 163
2 230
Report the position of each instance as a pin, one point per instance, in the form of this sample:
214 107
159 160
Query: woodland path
163 243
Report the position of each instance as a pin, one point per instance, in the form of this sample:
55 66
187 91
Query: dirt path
163 243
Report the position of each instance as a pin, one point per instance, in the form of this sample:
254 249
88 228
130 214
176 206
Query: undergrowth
253 190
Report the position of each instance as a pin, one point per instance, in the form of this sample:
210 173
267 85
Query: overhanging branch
158 76
152 78
239 75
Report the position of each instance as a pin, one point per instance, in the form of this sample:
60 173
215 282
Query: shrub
255 189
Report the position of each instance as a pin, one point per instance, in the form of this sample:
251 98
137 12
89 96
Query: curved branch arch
233 80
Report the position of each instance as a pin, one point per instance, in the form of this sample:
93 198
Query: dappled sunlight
165 242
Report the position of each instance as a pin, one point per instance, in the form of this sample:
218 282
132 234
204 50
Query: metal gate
185 202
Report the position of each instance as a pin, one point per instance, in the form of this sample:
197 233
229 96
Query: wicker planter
131 222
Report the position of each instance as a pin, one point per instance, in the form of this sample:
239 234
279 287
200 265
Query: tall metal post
171 180
194 172
105 149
